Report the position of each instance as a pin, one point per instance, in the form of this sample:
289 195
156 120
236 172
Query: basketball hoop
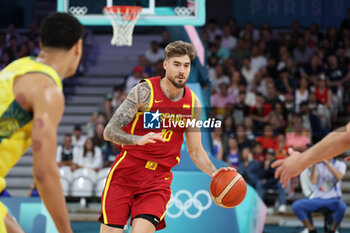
123 19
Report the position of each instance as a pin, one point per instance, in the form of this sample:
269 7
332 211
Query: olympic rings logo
192 202
77 10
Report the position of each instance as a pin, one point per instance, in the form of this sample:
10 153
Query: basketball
228 189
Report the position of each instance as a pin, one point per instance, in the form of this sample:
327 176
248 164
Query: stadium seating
100 181
83 182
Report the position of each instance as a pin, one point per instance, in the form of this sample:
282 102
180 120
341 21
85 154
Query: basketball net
123 19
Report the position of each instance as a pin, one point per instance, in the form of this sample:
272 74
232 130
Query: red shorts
135 187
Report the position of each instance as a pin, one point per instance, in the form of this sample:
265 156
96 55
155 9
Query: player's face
178 70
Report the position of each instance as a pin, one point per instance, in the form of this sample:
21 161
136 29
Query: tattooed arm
137 100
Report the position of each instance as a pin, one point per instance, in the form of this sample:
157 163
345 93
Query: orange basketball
228 189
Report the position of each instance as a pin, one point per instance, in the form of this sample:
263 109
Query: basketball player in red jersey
138 184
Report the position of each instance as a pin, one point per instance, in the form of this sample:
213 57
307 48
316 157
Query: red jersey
167 153
322 97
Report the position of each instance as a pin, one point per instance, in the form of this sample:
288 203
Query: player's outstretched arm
137 100
48 104
332 145
195 147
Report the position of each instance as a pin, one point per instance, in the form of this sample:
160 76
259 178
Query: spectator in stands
327 177
228 125
133 80
109 154
314 68
302 53
302 92
283 83
343 60
23 50
119 96
64 156
249 29
282 148
220 99
166 39
213 30
33 49
320 110
11 33
296 31
259 113
228 40
240 52
242 138
5 60
33 32
297 138
241 109
247 72
249 128
96 118
143 64
78 139
268 181
234 84
12 49
217 136
249 167
315 33
257 59
232 155
311 122
232 24
98 139
158 69
217 77
268 140
258 152
272 97
90 156
308 38
332 37
154 54
323 93
336 74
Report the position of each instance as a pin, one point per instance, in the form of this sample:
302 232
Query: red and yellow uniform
139 181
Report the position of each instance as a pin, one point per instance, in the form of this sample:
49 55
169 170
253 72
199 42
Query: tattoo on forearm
196 110
144 95
138 96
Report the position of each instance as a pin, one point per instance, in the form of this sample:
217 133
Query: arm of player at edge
195 148
330 146
48 105
137 100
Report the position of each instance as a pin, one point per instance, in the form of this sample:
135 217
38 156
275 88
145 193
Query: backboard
154 12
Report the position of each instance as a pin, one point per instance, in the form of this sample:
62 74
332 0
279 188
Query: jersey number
166 134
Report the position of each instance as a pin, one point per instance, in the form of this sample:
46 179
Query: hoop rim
123 9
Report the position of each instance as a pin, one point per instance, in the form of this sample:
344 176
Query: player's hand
150 138
288 167
222 169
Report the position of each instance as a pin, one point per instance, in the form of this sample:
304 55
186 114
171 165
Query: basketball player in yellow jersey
31 106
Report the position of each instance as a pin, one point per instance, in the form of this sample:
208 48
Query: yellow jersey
16 123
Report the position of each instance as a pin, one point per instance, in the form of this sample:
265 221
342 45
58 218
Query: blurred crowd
275 89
